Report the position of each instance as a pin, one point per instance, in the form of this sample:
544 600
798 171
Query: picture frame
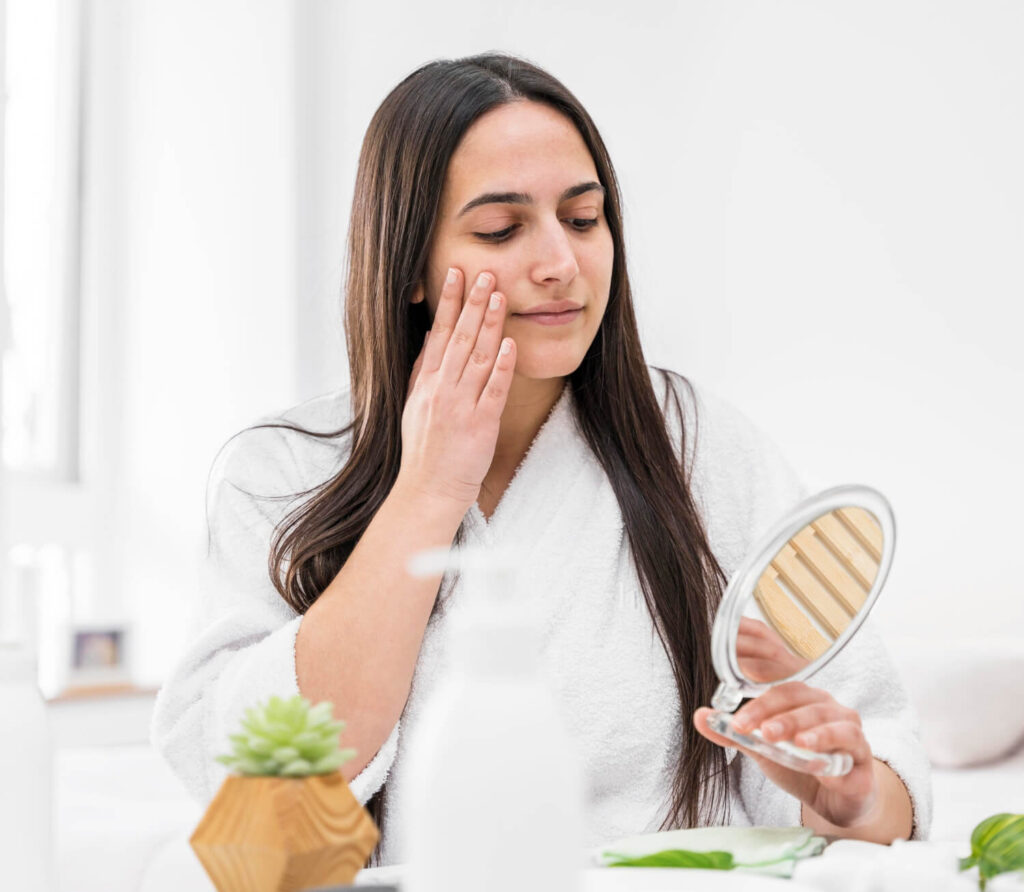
98 656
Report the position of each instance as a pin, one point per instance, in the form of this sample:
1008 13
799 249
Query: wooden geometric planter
282 834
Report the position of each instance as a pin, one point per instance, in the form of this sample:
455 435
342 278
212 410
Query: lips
551 309
560 312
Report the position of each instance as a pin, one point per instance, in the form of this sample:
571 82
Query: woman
487 214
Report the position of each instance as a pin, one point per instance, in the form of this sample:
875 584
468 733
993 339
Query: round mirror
795 602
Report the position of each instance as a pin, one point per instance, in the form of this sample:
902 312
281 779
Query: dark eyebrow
524 198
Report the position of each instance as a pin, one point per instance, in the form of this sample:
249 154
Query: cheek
471 263
596 262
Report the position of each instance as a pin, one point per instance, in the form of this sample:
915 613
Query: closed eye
580 224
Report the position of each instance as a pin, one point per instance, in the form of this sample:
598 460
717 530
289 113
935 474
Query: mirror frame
734 686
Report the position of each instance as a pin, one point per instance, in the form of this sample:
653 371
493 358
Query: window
40 242
44 551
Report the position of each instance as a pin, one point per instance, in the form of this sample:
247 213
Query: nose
555 257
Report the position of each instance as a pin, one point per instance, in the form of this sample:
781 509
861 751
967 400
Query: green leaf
306 738
285 754
675 858
997 846
322 712
331 762
287 737
261 746
279 732
296 711
318 750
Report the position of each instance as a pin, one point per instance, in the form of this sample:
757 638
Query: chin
549 363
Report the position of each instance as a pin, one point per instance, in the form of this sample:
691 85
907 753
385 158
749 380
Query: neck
530 401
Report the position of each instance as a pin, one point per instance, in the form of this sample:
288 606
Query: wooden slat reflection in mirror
865 528
787 619
812 593
847 548
830 570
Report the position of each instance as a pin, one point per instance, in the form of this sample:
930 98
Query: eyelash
503 234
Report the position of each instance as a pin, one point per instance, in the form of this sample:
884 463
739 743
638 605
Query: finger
781 698
700 722
761 671
748 646
749 626
418 364
448 308
845 736
488 341
785 725
464 335
492 400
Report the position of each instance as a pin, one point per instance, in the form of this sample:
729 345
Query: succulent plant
287 738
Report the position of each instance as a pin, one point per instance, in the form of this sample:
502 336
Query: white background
825 216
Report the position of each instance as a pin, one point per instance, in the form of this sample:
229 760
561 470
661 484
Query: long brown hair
401 173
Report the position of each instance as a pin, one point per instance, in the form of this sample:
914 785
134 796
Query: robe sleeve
744 485
243 650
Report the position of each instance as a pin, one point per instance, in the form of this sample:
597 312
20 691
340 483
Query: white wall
202 219
824 214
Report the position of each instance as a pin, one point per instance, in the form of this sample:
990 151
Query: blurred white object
1007 882
856 866
969 695
26 809
497 790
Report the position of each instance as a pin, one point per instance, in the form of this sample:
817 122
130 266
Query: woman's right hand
457 392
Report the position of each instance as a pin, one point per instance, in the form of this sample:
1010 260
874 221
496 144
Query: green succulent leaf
261 746
286 754
287 738
330 762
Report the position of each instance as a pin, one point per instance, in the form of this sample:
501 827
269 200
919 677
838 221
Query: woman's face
522 201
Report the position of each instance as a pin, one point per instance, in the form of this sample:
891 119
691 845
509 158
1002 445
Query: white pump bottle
496 788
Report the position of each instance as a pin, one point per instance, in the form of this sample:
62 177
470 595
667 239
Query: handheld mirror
794 603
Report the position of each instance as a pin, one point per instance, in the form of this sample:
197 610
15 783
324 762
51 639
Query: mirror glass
794 603
809 593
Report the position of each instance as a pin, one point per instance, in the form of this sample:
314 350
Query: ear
417 294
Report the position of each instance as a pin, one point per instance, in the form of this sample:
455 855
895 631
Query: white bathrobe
600 654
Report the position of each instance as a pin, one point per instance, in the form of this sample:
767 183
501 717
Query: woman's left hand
811 718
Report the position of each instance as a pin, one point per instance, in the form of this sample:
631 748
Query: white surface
26 819
626 879
964 797
124 822
116 806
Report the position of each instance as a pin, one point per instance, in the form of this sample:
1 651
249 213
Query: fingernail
506 346
772 729
808 738
484 280
495 300
741 723
453 274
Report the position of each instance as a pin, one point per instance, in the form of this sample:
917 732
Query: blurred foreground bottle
26 810
496 789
